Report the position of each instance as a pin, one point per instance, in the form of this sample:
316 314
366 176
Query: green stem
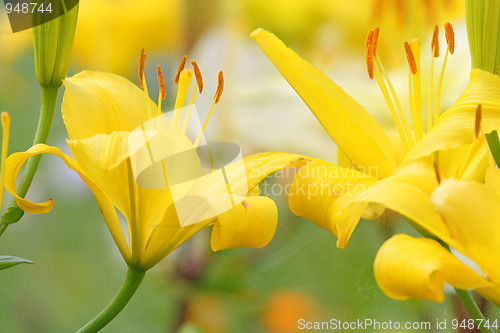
132 282
48 104
2 228
494 145
469 303
473 310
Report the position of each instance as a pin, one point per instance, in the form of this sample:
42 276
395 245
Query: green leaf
190 328
494 145
9 261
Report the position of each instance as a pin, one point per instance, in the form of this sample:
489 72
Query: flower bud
482 19
53 41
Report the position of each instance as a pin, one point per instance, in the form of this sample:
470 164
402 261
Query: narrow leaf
9 261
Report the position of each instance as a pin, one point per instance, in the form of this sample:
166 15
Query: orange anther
450 36
197 74
142 61
435 42
181 67
411 59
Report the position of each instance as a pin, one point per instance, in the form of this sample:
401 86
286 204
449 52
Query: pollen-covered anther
142 61
369 54
369 62
161 81
180 69
374 41
477 125
220 87
410 58
368 40
435 42
450 36
197 74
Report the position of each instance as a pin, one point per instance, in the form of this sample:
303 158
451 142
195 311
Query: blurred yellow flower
101 111
110 32
407 267
376 170
303 24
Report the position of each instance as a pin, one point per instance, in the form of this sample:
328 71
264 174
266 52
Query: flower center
183 80
376 70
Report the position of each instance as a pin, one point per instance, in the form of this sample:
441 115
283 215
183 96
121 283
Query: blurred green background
300 274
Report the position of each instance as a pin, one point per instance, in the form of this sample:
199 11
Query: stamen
450 36
450 40
218 94
197 74
374 41
184 81
380 74
430 121
435 42
369 61
477 126
369 54
161 82
416 86
368 39
436 170
142 61
188 113
376 69
410 58
180 69
220 88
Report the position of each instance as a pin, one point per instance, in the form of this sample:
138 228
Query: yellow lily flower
408 267
377 170
101 112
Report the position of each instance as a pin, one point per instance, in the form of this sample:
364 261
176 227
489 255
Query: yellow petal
472 214
492 179
103 103
407 192
354 130
250 224
16 161
259 166
113 181
318 191
106 151
167 235
407 267
467 162
455 127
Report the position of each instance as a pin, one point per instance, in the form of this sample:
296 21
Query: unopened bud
53 42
